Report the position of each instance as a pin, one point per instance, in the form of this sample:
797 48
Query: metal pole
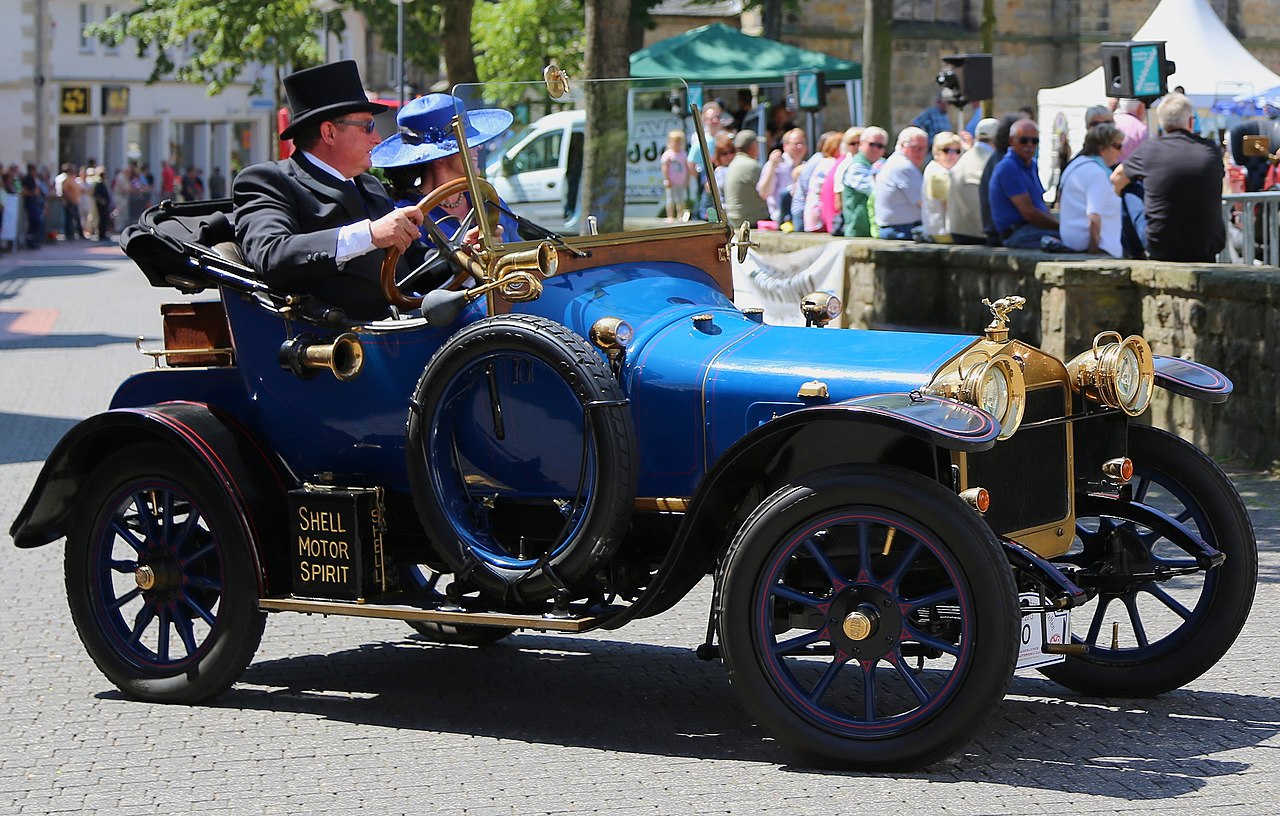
324 24
400 52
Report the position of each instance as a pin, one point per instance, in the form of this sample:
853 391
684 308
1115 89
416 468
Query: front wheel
1158 620
160 578
868 619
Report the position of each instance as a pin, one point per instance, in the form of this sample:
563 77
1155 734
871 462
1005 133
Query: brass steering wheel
448 247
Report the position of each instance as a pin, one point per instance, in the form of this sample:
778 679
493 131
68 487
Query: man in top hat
316 222
424 155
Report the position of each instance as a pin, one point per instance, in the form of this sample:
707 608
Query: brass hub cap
858 625
145 577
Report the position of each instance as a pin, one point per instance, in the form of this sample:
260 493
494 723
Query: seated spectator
933 119
776 179
900 186
1090 209
828 157
833 188
1183 187
937 185
964 198
858 183
1098 115
742 198
1018 211
1131 118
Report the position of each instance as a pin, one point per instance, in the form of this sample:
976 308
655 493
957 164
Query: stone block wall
1224 316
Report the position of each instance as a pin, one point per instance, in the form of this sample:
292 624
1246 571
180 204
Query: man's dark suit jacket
287 216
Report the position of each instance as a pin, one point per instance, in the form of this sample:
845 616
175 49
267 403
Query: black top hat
323 92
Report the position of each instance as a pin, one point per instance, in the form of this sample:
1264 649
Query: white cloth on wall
776 283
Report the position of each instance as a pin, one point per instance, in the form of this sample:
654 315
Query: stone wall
1224 316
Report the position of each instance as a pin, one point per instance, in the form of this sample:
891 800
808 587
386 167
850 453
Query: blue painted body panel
695 388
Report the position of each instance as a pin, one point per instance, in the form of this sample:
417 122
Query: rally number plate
1036 628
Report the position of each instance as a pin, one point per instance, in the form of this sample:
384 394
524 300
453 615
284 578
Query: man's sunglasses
1028 140
367 125
879 145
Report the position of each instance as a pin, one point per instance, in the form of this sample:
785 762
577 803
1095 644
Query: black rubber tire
221 571
608 425
460 634
960 552
1192 481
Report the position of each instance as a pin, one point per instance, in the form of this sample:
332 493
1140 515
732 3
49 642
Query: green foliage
421 29
214 42
515 39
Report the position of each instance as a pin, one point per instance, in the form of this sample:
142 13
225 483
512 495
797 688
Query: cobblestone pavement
352 716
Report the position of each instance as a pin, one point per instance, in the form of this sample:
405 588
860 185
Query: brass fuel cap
858 625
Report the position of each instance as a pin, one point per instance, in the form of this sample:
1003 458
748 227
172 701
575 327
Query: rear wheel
868 619
160 578
1159 620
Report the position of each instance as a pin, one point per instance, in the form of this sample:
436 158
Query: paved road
350 716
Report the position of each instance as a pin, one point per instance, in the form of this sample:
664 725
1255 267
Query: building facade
71 99
1036 44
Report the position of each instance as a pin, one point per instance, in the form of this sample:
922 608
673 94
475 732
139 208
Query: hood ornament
997 330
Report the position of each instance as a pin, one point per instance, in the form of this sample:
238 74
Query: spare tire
521 458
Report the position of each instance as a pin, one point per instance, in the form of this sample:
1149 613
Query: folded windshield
605 156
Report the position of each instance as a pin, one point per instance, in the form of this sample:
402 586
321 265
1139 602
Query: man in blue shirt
934 119
1017 198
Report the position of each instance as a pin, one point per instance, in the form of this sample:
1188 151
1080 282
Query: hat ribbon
434 135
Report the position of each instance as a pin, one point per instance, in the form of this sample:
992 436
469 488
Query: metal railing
1253 228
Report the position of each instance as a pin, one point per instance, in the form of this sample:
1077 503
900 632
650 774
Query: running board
401 612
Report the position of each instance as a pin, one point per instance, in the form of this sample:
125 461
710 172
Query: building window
929 11
86 17
107 11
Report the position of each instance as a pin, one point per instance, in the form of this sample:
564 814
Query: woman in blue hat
424 155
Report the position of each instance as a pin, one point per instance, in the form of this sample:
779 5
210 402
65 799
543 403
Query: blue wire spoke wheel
868 619
160 578
1157 619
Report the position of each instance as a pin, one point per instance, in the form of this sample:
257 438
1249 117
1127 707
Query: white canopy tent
1208 60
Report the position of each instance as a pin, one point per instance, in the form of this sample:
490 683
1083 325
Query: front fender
901 430
1191 379
252 479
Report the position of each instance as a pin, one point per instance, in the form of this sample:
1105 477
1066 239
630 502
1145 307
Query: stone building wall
1038 43
1224 316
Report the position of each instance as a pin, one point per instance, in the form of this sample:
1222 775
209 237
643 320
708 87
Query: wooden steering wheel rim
433 199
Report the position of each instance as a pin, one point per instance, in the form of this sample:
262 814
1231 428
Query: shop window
86 18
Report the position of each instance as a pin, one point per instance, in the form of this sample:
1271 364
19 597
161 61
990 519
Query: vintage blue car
578 430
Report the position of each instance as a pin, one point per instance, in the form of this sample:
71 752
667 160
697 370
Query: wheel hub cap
858 625
145 577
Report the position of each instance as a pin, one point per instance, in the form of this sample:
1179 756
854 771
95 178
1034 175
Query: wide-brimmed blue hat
426 133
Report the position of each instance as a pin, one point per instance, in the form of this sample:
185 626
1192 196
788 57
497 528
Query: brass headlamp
993 383
1118 374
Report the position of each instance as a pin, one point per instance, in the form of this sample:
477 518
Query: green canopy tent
719 56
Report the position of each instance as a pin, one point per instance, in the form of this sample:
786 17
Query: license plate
1036 627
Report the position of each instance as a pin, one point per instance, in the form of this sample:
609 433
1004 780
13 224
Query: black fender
254 480
899 429
1191 379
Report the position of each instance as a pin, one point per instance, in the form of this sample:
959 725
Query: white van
538 174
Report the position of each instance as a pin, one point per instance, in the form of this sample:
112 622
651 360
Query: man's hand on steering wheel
398 228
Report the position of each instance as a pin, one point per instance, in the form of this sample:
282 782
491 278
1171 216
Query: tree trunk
455 41
877 63
604 168
771 19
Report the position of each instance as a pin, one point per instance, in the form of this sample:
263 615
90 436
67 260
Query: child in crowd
675 174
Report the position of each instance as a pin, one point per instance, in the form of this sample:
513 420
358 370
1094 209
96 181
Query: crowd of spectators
1125 193
85 202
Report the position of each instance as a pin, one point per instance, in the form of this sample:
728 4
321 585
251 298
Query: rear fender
906 432
254 481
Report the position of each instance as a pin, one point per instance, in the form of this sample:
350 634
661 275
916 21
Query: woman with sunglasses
947 148
1089 208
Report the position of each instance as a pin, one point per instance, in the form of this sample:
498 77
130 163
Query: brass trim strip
663 505
399 612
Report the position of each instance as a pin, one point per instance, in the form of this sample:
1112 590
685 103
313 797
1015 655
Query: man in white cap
316 223
964 206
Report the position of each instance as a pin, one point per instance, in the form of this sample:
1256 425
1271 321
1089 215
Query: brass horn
304 355
511 272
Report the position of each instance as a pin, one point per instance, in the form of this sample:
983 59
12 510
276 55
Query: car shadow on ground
662 700
62 341
29 438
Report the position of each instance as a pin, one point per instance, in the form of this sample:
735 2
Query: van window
540 154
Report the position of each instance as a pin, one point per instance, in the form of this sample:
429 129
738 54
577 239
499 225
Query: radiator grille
1027 475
